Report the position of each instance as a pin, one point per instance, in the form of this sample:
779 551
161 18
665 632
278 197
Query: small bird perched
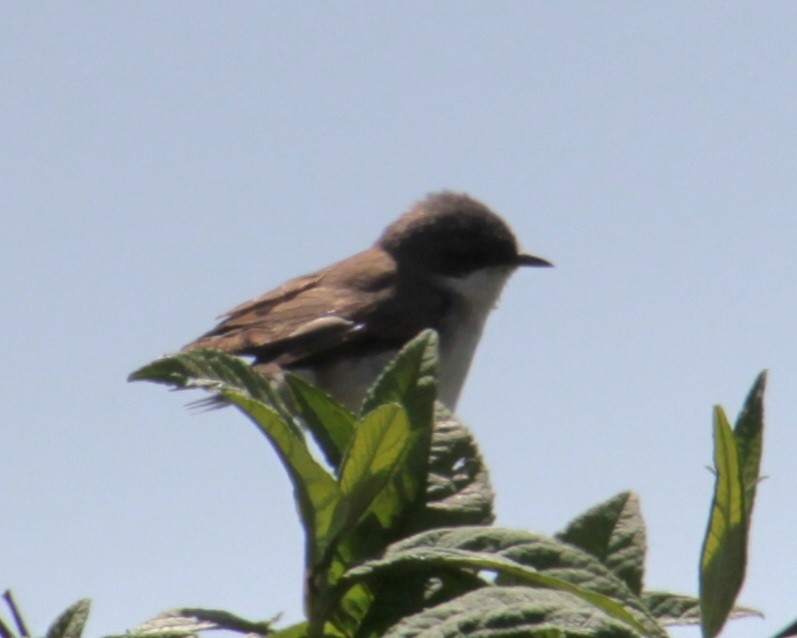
441 265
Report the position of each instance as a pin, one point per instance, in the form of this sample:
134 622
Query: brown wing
337 309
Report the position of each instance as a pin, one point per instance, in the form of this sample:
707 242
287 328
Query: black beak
531 260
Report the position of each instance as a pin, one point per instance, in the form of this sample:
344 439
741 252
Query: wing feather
338 308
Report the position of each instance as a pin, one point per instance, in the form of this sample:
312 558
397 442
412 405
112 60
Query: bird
441 265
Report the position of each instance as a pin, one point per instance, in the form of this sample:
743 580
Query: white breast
476 295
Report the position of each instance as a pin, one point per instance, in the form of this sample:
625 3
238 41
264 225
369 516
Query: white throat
475 296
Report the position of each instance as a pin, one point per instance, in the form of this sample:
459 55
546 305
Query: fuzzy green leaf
672 609
71 622
188 621
613 532
214 371
436 550
494 612
679 609
546 555
458 490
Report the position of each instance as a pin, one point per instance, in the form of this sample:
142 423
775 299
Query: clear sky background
162 162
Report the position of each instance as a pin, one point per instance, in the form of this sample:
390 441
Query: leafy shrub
397 519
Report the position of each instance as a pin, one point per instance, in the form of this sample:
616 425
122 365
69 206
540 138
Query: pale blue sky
162 162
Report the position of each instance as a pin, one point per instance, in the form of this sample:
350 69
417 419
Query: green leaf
402 593
748 434
672 609
494 612
188 621
330 423
425 557
724 554
315 489
613 532
71 622
299 630
679 609
214 371
409 380
458 490
546 555
737 462
235 381
380 443
203 368
458 493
